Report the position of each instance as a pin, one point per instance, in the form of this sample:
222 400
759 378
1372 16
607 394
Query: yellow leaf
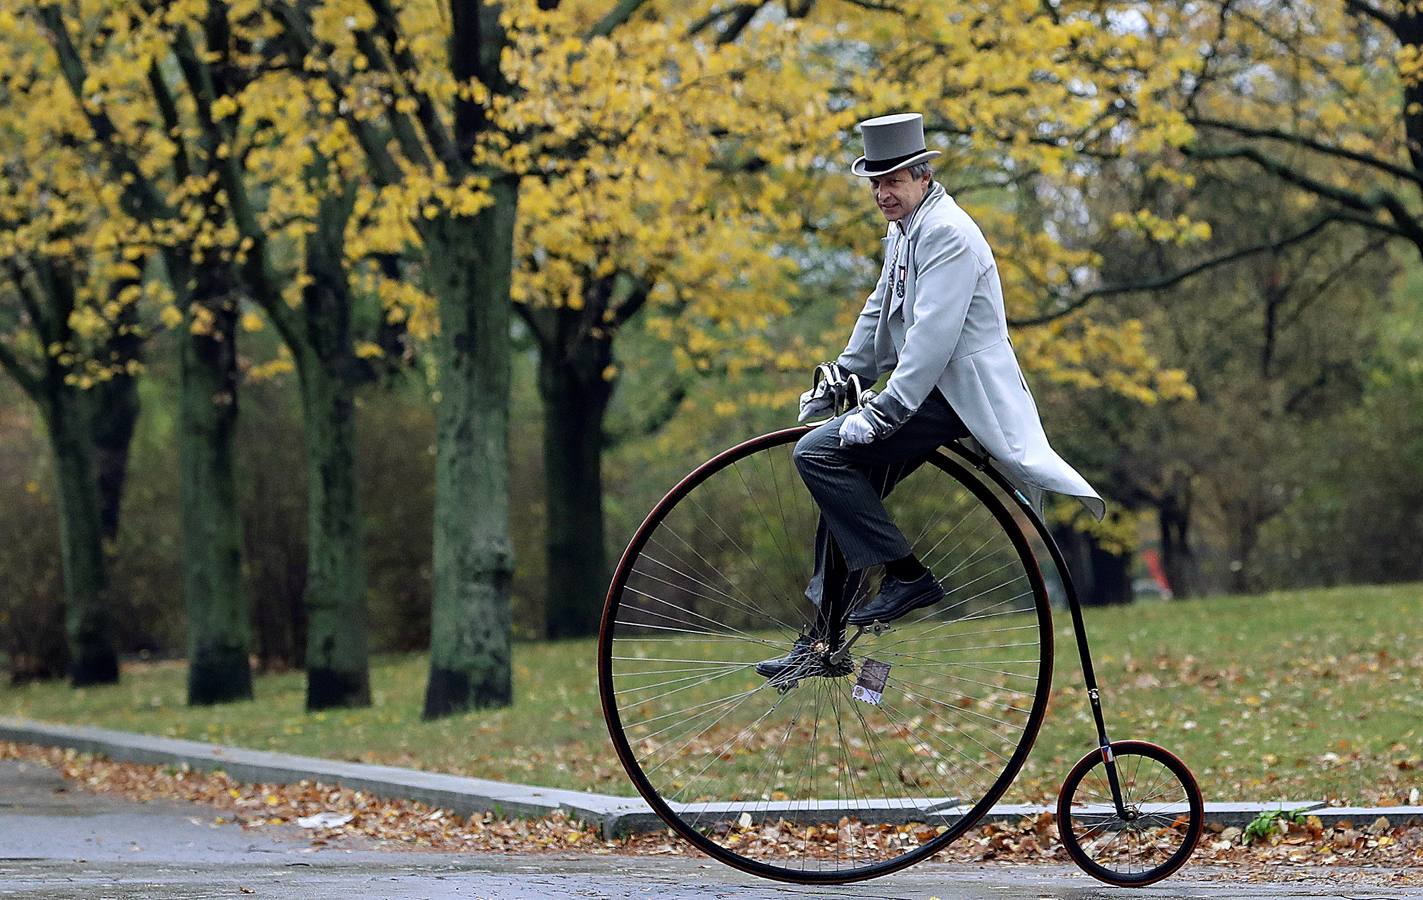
223 107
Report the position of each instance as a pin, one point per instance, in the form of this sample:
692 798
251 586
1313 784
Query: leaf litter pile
1308 850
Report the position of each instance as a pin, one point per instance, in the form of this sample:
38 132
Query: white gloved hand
816 402
856 429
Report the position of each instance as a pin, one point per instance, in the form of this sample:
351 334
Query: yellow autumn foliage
714 172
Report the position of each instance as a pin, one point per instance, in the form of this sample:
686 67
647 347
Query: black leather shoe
897 598
799 661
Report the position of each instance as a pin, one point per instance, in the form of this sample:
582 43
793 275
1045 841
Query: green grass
1308 695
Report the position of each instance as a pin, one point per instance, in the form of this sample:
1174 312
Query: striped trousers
850 482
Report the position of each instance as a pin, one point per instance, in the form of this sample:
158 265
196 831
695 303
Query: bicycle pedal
878 628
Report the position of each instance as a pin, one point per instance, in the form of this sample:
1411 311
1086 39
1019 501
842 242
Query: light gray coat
949 330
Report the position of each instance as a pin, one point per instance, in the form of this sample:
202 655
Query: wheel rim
808 783
1155 837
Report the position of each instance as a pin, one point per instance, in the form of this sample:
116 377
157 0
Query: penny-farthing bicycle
887 742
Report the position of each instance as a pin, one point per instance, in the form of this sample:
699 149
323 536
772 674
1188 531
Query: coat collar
932 198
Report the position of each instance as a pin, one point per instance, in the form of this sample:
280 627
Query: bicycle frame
1084 652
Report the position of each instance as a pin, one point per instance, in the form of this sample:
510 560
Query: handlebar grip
846 391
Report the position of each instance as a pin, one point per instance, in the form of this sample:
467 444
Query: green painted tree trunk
219 630
118 399
88 622
470 265
575 400
337 670
337 673
90 432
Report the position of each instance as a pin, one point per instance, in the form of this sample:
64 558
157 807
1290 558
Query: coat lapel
903 287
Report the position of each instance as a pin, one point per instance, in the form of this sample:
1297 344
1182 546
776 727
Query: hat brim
859 166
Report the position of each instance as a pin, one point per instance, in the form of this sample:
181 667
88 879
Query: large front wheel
846 765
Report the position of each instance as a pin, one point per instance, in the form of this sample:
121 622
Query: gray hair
920 169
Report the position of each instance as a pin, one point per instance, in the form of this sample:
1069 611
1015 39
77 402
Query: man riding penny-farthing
825 653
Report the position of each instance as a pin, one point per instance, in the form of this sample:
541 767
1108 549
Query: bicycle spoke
731 606
806 772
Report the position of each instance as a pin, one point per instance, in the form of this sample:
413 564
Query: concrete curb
616 816
459 794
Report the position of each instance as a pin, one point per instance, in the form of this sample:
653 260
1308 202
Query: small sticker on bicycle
869 687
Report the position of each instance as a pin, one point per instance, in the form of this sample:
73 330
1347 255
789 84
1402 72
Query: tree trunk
218 616
1111 576
1173 515
470 263
337 667
113 431
337 673
575 400
1244 535
1102 578
88 622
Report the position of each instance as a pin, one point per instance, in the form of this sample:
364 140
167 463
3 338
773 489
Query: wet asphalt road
61 843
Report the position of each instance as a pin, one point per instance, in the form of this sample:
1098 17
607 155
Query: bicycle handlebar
846 392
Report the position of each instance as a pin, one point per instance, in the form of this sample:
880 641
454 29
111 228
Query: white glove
856 429
815 403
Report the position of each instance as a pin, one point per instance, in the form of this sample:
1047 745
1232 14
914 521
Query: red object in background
1153 565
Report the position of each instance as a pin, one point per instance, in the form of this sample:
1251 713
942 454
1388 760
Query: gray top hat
892 143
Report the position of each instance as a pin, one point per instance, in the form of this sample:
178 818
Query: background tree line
329 312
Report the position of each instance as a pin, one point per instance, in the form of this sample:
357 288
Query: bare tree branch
43 326
205 85
29 381
530 314
633 303
1325 68
405 132
1275 134
1389 21
672 401
1174 278
1377 199
616 16
140 196
1335 273
740 18
708 20
388 25
876 6
383 166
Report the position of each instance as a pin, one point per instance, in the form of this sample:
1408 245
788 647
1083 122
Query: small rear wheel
1154 832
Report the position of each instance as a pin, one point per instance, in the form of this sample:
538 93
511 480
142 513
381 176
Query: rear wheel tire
1164 817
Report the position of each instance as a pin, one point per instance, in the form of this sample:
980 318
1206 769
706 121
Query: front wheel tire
843 769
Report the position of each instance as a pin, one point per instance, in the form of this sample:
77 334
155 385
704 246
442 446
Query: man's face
897 193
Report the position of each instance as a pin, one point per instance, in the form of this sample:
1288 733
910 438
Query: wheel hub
822 661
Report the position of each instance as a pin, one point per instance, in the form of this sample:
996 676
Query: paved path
62 843
465 796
